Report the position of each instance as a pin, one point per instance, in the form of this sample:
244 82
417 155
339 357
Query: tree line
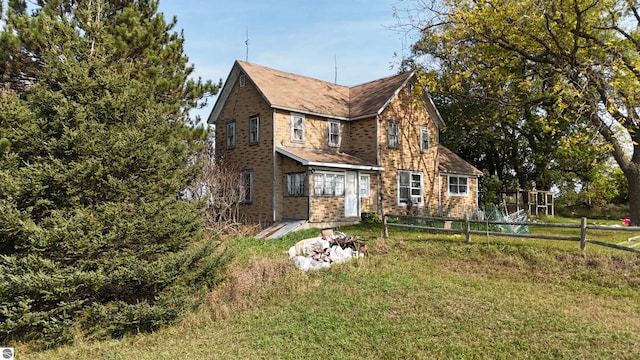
538 93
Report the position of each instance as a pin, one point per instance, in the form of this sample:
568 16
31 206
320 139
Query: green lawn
417 296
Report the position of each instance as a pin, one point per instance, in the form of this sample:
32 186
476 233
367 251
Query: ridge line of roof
324 81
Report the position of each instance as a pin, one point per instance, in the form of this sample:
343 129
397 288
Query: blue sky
305 37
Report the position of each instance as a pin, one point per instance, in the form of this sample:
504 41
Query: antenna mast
335 62
246 43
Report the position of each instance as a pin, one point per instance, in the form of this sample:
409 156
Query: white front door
351 194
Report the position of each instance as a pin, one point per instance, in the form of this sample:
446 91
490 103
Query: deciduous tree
577 60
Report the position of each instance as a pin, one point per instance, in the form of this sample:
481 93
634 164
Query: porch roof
310 157
449 162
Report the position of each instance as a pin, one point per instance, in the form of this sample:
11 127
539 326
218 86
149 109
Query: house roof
309 157
292 92
451 163
371 98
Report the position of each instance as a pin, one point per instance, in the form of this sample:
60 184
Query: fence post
583 233
467 228
385 228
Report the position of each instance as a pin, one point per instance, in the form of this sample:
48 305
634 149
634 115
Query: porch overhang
308 157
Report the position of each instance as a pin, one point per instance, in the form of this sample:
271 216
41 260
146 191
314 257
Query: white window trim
366 191
257 129
231 134
395 143
338 183
424 133
246 200
459 194
330 125
420 199
295 116
242 80
297 179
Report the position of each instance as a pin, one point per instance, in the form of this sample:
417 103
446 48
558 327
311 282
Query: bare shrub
221 186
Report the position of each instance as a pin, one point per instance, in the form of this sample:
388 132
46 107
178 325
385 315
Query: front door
351 194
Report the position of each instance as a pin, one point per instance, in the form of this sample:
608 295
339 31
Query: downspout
380 194
439 177
439 193
477 193
309 173
273 165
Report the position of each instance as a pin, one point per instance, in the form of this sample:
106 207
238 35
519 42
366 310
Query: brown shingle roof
369 98
295 92
309 157
451 163
292 92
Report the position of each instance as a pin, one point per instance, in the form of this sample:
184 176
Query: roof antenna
335 62
246 43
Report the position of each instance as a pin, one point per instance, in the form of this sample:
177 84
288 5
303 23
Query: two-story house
326 153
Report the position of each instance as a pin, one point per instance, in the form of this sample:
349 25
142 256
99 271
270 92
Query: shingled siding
245 102
408 156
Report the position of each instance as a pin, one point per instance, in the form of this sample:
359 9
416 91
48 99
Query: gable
371 98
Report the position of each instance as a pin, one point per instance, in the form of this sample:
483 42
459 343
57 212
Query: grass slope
417 296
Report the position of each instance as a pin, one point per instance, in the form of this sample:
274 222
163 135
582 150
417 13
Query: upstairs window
296 184
393 134
242 80
297 127
334 133
254 129
328 184
410 187
424 139
458 186
231 134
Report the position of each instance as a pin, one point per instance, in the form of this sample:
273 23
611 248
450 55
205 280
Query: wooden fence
427 224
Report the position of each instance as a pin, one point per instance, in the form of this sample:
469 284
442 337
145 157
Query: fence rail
467 231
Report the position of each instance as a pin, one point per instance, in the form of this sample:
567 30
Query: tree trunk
633 179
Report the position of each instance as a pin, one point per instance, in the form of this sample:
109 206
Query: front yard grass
417 296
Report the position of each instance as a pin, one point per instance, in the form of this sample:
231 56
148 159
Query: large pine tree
95 146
